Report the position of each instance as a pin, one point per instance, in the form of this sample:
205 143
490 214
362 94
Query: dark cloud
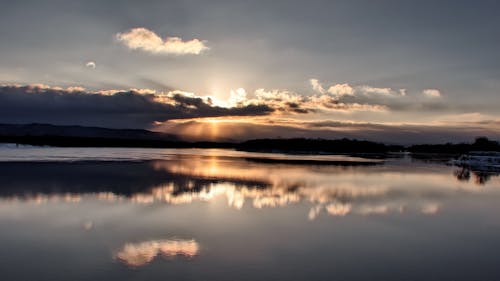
121 109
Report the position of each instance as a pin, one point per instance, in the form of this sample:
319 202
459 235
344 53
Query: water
163 214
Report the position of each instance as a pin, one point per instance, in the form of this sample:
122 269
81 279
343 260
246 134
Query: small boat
479 161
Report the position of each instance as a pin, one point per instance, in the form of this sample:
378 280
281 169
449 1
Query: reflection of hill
41 130
122 178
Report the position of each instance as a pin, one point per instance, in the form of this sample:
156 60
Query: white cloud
316 85
146 40
432 93
91 64
374 90
341 90
237 97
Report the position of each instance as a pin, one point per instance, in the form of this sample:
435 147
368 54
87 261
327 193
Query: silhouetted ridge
80 136
45 130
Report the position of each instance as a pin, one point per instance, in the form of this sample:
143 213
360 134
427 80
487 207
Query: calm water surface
166 214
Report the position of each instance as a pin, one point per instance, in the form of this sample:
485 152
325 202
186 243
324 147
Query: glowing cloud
316 85
91 64
237 97
432 93
146 40
345 89
375 90
341 90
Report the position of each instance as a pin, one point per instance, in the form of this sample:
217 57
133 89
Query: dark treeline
480 144
317 145
299 145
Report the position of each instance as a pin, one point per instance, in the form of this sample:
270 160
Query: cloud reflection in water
142 253
332 190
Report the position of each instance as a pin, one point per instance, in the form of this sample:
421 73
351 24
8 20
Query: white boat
479 160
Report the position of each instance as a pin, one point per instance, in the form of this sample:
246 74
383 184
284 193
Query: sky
393 71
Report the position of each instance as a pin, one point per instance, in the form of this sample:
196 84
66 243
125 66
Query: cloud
432 93
113 108
289 102
341 90
91 64
262 113
345 89
141 108
389 98
146 40
375 90
316 85
237 96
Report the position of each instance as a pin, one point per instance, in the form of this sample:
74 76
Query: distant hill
79 136
39 130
